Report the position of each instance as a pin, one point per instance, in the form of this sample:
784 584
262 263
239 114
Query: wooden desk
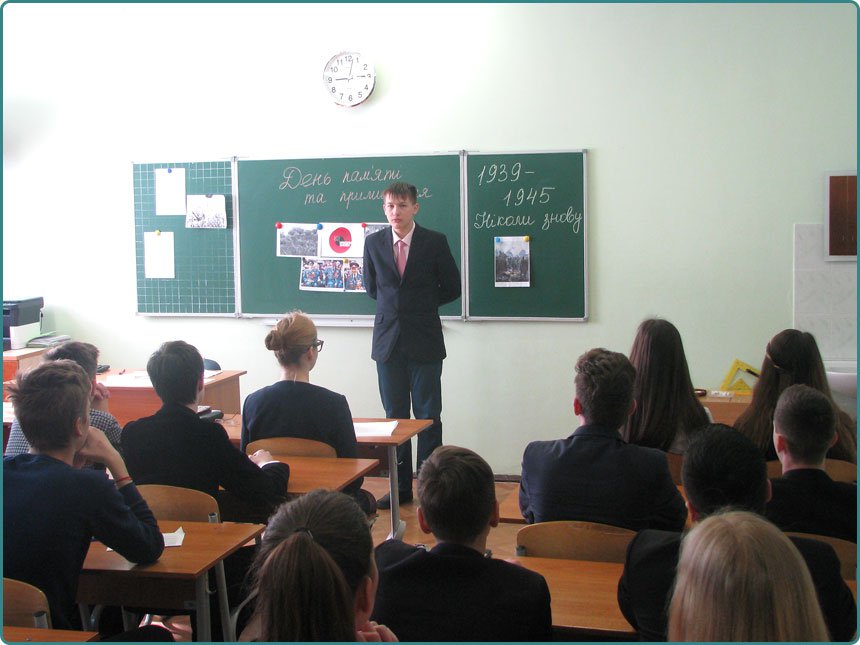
34 635
233 425
405 430
308 473
726 409
21 359
176 581
509 508
584 596
133 402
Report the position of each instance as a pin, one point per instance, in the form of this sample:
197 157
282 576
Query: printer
22 321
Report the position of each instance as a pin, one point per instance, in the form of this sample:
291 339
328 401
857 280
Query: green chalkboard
329 191
203 281
539 197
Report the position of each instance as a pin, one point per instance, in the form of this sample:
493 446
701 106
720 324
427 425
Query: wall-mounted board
331 190
539 196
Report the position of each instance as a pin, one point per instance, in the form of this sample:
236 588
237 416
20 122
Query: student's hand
100 396
261 457
373 632
98 449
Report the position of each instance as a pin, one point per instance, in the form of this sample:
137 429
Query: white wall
709 129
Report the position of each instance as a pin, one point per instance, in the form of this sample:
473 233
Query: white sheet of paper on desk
210 373
174 539
375 428
158 259
138 378
170 539
170 191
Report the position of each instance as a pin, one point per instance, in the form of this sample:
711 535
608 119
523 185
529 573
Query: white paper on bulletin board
158 255
170 191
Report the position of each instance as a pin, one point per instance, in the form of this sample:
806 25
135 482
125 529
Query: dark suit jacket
808 501
645 588
175 447
453 593
594 476
408 308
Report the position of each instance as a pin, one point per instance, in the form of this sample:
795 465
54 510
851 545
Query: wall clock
349 78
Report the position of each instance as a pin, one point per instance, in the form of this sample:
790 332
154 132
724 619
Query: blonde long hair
741 579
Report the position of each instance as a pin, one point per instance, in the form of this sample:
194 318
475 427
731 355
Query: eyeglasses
318 344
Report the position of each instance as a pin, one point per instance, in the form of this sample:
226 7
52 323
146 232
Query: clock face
349 78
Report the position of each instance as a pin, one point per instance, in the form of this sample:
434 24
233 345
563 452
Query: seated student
315 576
85 355
667 410
456 591
740 579
294 407
594 475
805 499
722 467
792 357
177 448
51 509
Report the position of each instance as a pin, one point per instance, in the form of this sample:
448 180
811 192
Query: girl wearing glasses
295 407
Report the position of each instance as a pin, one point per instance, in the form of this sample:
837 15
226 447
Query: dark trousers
405 383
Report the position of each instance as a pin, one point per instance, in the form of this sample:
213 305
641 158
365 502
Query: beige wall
709 130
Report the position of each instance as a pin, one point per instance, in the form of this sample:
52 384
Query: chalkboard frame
467 262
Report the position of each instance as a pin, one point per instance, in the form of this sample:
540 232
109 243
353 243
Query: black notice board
204 282
331 190
539 195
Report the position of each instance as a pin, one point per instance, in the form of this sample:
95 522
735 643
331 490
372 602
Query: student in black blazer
175 447
805 499
594 475
456 591
722 467
410 272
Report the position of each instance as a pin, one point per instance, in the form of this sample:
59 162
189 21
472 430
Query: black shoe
385 501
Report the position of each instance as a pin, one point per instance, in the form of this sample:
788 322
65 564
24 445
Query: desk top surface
112 374
204 545
405 430
308 473
32 634
584 594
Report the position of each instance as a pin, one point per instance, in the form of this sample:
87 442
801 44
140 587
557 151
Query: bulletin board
329 192
182 270
526 236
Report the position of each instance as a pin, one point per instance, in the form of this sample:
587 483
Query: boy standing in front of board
410 272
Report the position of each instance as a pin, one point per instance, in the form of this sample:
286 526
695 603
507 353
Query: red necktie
401 257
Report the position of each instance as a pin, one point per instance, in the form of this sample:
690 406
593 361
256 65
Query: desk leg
204 620
398 528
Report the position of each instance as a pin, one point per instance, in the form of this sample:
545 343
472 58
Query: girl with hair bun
294 407
315 575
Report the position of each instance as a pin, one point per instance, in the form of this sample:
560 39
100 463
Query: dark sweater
303 411
51 512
